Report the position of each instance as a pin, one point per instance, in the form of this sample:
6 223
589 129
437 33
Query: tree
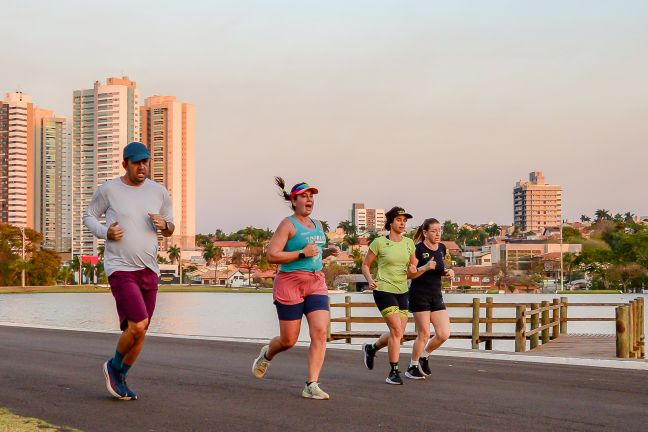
585 218
75 266
358 258
332 271
174 255
252 258
101 249
463 235
64 274
348 227
493 230
602 214
325 226
625 273
450 230
212 253
44 265
89 271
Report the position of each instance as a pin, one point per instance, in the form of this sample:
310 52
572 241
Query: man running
136 208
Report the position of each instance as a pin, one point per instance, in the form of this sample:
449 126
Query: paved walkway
194 385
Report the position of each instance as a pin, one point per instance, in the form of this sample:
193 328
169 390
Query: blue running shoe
130 393
114 382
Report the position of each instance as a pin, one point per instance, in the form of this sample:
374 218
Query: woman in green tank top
394 254
299 288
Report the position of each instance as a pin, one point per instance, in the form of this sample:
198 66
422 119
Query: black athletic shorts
390 303
424 300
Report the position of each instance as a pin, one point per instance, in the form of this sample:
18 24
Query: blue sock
117 361
125 368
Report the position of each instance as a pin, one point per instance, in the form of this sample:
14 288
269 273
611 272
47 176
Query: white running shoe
260 365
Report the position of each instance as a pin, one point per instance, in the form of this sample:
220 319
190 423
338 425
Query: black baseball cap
397 211
136 151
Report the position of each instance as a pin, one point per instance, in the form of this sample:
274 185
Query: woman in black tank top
426 299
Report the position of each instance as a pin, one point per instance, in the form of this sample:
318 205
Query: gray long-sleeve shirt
129 206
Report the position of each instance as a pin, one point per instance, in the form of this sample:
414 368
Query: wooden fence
539 323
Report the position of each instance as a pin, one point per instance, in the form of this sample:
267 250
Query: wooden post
634 342
535 320
642 323
622 342
475 324
489 325
563 316
555 319
545 321
520 328
328 327
347 314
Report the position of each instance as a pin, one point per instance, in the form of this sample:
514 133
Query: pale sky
439 107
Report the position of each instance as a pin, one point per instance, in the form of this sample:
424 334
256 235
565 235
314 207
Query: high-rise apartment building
105 119
17 160
367 219
168 129
536 204
53 181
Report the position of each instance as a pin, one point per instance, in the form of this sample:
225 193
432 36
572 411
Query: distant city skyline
438 107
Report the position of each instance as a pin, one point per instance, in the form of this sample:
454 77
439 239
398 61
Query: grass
105 289
10 422
589 292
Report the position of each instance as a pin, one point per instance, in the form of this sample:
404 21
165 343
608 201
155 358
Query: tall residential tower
168 129
104 119
536 205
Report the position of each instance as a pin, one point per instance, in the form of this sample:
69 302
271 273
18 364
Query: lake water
253 316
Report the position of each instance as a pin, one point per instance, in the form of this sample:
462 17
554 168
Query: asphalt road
192 385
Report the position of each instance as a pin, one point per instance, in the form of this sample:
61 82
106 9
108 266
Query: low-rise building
475 276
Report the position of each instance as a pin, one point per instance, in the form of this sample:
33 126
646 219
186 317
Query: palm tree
174 254
629 217
348 227
585 218
212 253
493 230
75 266
325 226
100 252
602 214
64 274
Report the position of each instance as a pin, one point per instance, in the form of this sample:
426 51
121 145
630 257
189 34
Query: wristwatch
166 226
302 255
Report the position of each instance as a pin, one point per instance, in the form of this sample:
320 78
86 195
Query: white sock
425 354
414 363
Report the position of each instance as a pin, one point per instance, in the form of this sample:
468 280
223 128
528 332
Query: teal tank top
303 236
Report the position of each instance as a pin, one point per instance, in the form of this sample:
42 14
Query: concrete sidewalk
198 385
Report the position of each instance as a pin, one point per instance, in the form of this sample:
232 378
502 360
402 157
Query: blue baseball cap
136 151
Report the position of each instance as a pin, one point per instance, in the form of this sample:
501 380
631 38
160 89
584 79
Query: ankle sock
394 366
117 361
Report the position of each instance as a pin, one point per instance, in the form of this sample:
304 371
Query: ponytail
282 185
418 235
282 193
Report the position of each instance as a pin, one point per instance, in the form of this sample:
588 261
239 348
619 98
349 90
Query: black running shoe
394 378
368 354
413 372
425 366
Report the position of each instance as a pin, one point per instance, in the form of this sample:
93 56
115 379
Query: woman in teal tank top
299 288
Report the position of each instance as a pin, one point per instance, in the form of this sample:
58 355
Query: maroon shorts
135 293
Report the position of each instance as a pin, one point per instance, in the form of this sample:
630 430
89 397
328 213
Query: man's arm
164 220
96 208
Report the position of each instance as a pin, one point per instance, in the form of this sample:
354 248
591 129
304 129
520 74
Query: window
475 279
486 279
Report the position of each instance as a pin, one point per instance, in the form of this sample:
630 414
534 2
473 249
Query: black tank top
429 281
